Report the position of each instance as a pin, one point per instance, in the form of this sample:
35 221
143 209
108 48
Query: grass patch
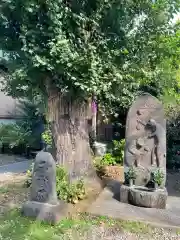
13 226
178 232
4 190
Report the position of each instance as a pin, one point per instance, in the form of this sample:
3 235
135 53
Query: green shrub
47 136
158 176
69 192
115 155
28 181
13 135
32 120
23 134
173 135
131 174
118 151
108 160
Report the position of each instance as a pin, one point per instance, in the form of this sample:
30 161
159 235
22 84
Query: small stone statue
44 204
44 179
145 151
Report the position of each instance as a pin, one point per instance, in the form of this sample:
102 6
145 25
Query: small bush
29 172
158 176
13 135
69 192
118 151
108 160
115 155
173 135
131 174
47 136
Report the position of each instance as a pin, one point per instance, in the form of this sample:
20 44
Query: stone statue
44 204
44 179
145 149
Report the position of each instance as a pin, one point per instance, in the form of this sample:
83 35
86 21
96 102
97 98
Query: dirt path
12 191
112 233
10 158
16 167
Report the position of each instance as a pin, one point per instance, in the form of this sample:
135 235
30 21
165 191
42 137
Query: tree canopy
107 48
72 50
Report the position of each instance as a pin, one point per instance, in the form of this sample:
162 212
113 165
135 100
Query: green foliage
28 181
25 132
107 48
173 132
116 154
69 192
131 174
31 121
108 160
118 151
158 176
13 135
173 122
47 136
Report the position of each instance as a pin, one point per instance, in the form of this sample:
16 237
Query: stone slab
145 147
107 205
45 211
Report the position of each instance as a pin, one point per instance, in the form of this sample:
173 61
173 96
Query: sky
176 17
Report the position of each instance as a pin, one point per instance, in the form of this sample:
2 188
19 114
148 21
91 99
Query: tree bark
69 121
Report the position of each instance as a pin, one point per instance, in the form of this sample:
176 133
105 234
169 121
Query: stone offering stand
145 155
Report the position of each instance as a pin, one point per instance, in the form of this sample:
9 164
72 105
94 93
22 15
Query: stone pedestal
144 197
45 211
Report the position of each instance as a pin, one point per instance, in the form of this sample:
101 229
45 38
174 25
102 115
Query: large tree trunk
70 132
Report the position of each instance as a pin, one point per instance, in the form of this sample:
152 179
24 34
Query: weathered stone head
43 187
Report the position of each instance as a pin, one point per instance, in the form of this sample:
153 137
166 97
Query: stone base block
124 193
144 197
45 211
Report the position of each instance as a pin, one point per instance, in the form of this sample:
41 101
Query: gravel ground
11 178
101 233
